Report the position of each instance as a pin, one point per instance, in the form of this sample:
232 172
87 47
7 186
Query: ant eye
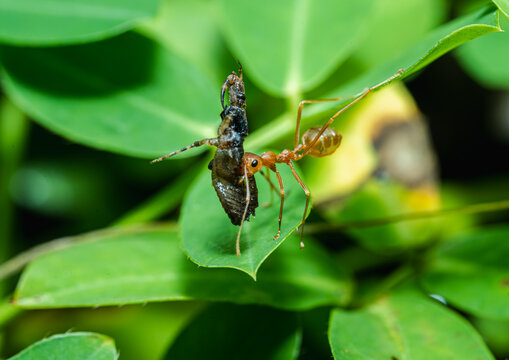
242 96
254 163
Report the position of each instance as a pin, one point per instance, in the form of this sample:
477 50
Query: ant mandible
316 142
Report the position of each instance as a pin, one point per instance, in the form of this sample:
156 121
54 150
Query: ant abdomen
328 142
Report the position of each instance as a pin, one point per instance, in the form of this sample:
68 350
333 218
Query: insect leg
248 200
299 113
331 120
211 142
266 175
282 190
304 187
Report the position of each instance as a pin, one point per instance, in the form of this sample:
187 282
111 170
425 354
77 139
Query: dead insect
316 142
228 170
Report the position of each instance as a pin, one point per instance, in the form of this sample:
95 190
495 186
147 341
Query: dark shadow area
125 61
460 116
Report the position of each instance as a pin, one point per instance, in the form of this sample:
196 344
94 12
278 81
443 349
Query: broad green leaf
143 264
396 26
190 28
128 94
71 346
291 46
404 326
495 333
472 273
434 45
503 5
140 332
485 59
58 22
239 332
212 244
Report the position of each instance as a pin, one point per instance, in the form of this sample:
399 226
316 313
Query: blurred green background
75 142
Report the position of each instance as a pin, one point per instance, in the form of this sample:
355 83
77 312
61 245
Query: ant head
253 163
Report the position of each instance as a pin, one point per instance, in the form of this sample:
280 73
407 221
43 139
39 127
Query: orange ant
316 142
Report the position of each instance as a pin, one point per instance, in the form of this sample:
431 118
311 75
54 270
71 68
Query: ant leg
299 113
282 191
211 142
304 187
248 200
266 175
331 120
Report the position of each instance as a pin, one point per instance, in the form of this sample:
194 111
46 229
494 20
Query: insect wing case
227 182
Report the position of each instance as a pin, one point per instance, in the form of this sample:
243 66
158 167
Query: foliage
140 79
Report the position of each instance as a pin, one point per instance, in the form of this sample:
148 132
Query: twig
468 209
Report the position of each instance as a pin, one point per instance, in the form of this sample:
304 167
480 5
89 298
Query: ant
231 166
316 142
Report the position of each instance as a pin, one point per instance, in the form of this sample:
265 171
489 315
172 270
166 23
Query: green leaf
472 273
383 198
396 26
404 326
212 244
71 346
58 22
239 332
293 45
128 94
485 59
503 5
495 333
187 27
434 45
147 264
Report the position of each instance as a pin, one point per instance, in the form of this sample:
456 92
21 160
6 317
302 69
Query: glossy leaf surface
140 265
290 46
250 332
146 106
472 273
58 22
435 44
503 6
70 346
485 59
404 326
212 243
395 26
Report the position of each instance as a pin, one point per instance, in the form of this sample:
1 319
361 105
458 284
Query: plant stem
467 209
13 131
7 311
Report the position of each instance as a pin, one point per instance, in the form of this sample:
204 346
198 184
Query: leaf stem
13 133
7 311
419 215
